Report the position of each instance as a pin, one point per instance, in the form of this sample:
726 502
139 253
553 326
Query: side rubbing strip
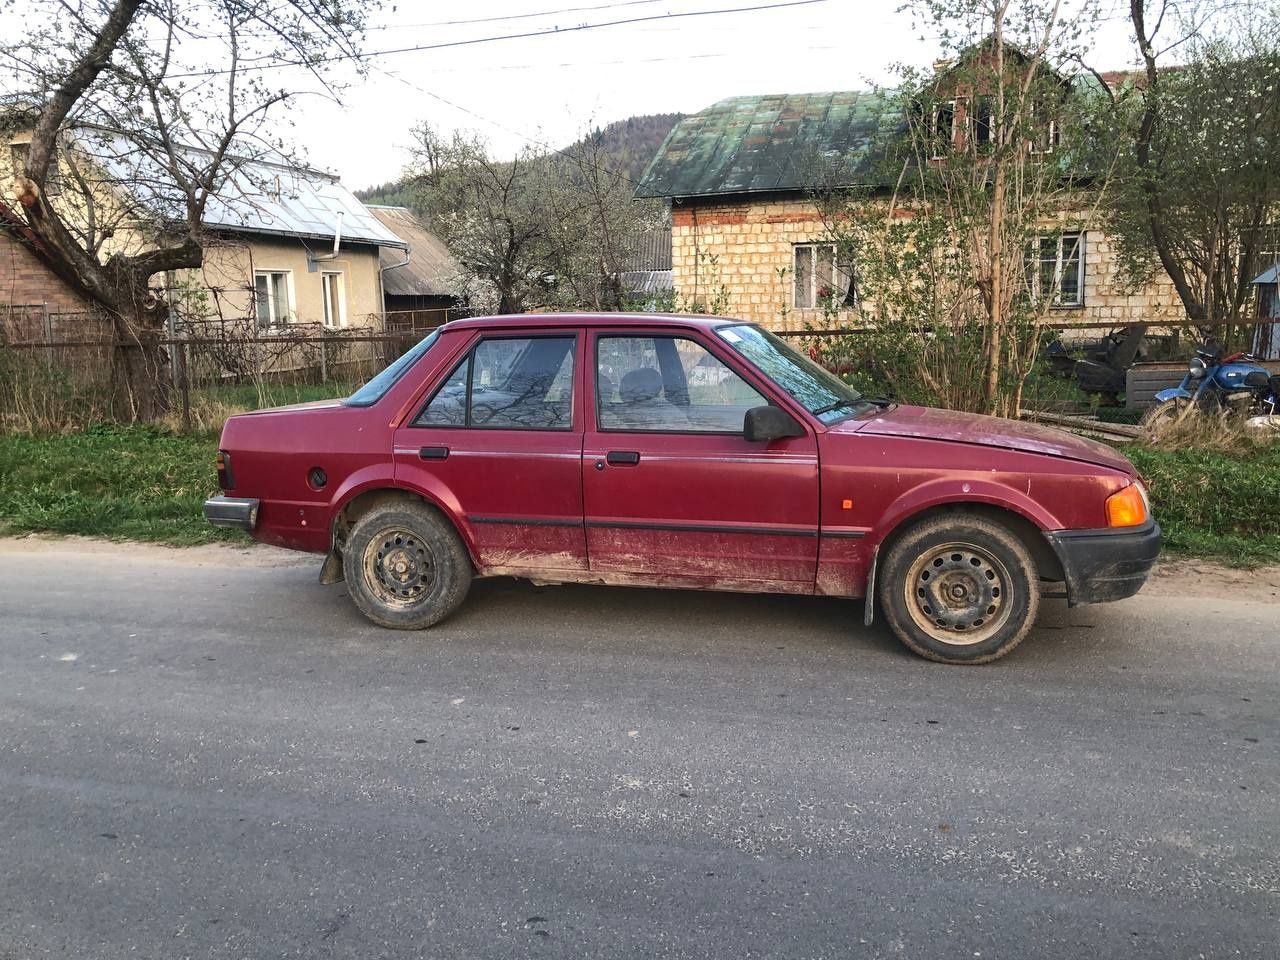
527 521
705 528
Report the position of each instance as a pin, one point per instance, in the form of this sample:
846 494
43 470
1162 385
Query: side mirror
769 423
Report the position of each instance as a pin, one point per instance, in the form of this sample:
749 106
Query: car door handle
433 453
620 458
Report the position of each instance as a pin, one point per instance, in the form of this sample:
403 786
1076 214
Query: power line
516 16
510 36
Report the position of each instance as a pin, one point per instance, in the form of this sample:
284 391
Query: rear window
376 388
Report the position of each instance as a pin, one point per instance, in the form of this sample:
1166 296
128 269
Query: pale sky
548 89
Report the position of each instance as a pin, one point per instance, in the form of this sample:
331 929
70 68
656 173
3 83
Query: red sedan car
674 451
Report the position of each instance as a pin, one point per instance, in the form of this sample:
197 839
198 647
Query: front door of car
499 442
671 487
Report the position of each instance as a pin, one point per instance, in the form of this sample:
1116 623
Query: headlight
1196 367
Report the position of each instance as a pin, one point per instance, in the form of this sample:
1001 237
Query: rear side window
509 383
376 388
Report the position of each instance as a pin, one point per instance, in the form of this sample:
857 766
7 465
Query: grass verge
148 483
1218 505
124 483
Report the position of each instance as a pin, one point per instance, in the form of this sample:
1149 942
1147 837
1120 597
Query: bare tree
1200 123
988 161
545 229
139 114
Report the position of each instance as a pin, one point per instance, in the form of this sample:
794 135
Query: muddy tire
1165 414
405 567
959 588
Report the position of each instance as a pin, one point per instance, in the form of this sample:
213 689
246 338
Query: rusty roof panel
770 143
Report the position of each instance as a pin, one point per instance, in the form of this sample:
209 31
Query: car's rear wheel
405 567
959 588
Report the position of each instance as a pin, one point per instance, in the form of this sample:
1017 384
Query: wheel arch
1048 565
360 501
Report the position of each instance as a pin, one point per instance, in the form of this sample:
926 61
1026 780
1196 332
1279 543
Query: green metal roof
769 143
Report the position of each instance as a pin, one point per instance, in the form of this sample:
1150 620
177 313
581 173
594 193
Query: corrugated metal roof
258 196
1271 275
431 268
768 143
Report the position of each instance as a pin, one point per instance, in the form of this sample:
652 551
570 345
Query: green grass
124 483
147 483
1218 506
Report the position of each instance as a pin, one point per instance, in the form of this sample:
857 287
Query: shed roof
768 143
431 267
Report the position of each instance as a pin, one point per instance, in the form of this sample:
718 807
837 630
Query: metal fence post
185 380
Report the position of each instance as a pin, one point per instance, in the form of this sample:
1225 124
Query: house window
983 132
335 300
943 130
1055 269
1046 137
821 279
272 297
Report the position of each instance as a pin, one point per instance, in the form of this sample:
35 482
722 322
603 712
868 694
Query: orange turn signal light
1127 507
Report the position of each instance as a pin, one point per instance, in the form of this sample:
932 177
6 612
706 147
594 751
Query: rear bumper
1104 565
232 512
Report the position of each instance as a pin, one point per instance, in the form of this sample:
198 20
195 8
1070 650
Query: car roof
525 320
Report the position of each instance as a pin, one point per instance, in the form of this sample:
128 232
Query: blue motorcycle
1235 384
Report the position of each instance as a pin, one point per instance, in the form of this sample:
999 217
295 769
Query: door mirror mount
762 424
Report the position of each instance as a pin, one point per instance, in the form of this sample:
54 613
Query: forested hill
628 145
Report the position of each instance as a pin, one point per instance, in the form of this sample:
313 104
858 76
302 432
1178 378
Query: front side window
668 385
821 278
1055 269
819 391
511 383
271 297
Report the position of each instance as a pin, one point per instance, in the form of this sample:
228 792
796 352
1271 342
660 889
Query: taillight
1127 507
222 462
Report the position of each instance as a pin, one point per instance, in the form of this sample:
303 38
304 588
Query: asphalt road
223 760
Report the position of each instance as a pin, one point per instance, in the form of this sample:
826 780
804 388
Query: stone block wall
737 257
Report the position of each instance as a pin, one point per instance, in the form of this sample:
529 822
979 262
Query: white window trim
813 275
1057 300
941 151
289 295
1050 142
340 277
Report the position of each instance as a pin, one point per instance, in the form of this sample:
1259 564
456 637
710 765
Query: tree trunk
141 385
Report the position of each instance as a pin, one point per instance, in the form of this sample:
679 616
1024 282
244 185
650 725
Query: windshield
822 393
375 389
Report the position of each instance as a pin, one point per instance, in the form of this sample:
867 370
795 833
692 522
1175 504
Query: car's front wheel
959 588
405 567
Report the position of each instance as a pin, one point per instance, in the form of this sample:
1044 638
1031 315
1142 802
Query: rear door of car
671 487
499 441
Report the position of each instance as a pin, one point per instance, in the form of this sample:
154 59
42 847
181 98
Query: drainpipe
382 287
313 259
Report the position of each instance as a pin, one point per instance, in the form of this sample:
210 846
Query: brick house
35 302
747 239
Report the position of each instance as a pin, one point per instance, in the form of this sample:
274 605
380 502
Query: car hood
929 423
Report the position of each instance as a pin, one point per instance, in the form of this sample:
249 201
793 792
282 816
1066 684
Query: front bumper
237 512
1104 565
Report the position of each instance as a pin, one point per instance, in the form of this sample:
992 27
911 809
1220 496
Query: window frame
274 322
1034 263
468 358
667 335
940 147
836 267
338 277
